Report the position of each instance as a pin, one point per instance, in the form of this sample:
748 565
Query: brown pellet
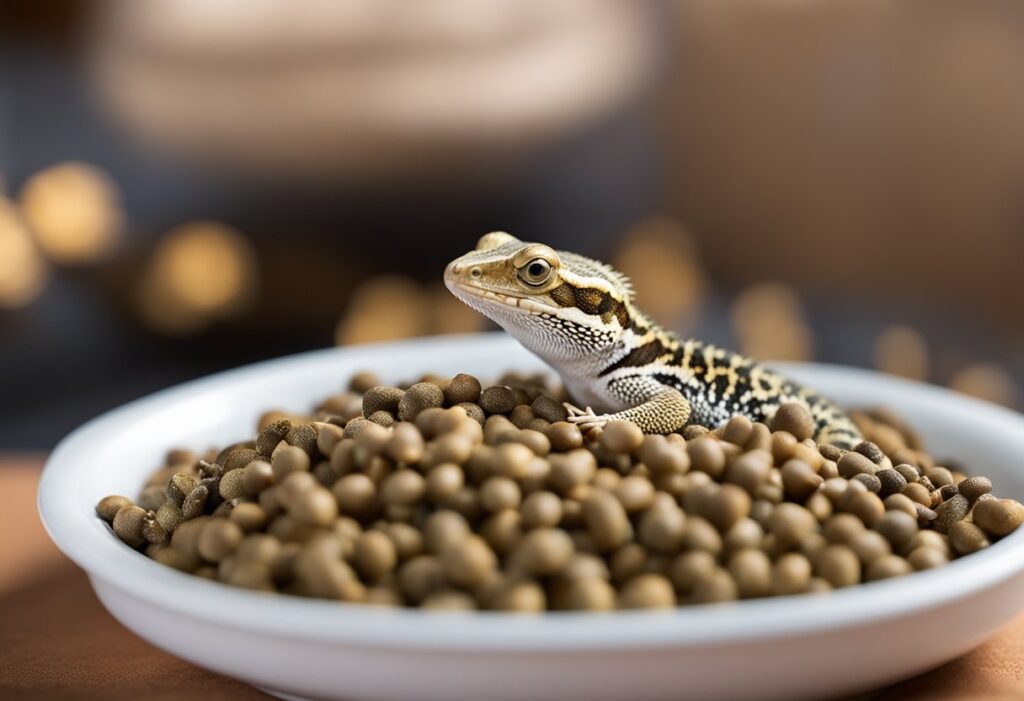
727 506
218 539
967 538
621 437
383 495
706 455
997 517
606 520
375 555
108 507
543 551
886 567
421 396
564 436
794 419
647 591
974 487
838 565
462 388
498 399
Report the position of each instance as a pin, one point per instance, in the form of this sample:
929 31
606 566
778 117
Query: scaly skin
578 315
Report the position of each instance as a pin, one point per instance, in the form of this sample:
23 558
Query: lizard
578 315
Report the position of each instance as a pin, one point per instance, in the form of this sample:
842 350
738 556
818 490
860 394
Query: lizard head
558 304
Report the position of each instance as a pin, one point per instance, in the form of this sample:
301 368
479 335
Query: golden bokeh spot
659 256
199 272
902 351
770 323
384 308
987 381
23 271
74 212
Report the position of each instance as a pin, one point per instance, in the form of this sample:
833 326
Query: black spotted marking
564 295
638 357
594 302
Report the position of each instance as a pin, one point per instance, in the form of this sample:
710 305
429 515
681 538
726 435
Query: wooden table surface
58 642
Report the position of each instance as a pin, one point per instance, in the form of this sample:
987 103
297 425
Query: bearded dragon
577 314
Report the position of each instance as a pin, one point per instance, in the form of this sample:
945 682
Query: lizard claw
585 419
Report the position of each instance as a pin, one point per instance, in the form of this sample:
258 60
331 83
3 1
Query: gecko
578 315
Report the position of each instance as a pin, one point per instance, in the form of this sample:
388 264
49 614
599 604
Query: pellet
446 495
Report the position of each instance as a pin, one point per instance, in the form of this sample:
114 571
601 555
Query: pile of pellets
444 495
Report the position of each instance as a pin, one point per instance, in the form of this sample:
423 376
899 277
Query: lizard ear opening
494 239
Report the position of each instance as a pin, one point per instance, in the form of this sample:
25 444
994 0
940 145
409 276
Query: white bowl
788 648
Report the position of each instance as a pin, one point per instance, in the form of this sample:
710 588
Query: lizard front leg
657 408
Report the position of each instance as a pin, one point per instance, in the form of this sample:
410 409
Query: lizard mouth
518 302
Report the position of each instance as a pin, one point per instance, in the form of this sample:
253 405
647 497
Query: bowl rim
105 558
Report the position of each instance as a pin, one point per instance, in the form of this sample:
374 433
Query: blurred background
187 186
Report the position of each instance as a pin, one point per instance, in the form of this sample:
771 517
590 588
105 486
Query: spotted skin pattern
578 315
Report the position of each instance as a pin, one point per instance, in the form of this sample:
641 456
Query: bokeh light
660 258
74 211
23 271
900 350
199 272
770 323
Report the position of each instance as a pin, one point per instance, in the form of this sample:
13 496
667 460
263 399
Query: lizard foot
585 419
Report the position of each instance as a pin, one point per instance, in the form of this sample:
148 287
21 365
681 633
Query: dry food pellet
248 516
750 470
462 388
998 517
218 539
621 437
948 512
302 436
663 527
314 506
974 487
422 395
791 574
498 502
498 399
543 551
405 444
853 463
869 546
382 399
647 591
664 457
706 455
108 507
699 534
752 571
795 420
498 493
271 435
886 567
799 480
606 520
791 522
374 555
521 597
898 528
838 565
925 558
714 587
967 538
727 506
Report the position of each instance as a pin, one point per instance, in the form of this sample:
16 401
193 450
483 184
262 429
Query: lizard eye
536 272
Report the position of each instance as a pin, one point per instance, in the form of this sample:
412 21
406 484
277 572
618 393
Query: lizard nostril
475 273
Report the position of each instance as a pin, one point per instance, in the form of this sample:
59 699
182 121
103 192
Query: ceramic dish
796 647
